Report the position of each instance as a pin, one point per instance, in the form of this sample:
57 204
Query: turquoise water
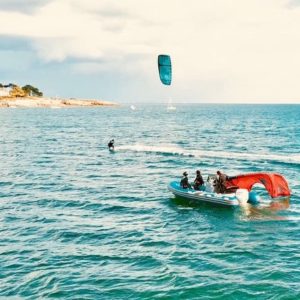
78 222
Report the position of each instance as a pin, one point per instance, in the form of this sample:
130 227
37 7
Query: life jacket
184 183
199 180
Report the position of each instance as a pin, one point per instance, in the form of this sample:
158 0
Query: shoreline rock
32 102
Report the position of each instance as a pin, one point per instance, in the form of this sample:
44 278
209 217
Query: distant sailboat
170 105
132 107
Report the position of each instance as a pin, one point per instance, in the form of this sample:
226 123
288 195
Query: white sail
170 105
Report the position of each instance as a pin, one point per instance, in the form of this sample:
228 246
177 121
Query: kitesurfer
111 144
198 182
184 183
221 182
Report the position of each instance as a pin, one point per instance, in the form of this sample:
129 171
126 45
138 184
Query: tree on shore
32 91
16 91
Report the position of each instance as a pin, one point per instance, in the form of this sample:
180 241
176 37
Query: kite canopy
275 184
165 69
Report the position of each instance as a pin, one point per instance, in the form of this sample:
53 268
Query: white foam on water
175 150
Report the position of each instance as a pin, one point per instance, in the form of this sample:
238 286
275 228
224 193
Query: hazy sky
222 50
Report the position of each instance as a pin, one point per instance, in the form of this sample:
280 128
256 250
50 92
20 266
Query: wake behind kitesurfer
111 144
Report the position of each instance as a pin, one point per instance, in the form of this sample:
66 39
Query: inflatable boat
191 194
240 185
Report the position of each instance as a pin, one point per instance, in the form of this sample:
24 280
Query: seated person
221 182
184 183
198 182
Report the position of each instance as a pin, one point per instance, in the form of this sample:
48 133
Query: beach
31 102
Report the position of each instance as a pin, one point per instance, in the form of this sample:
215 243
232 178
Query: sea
80 222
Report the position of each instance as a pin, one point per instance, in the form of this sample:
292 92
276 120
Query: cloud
60 30
27 6
293 3
221 50
106 8
14 43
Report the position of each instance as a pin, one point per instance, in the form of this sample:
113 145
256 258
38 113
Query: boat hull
222 199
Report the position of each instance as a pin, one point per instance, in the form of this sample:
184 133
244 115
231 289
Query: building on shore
5 91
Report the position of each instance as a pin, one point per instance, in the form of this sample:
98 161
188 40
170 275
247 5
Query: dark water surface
78 222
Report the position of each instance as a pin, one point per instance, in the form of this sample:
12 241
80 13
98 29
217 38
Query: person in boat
209 185
221 182
184 183
198 182
111 144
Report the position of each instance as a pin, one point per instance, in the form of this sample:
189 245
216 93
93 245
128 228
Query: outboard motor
242 196
253 198
209 187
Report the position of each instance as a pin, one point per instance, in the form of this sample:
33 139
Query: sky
225 51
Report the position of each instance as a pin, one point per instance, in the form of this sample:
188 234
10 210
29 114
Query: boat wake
175 150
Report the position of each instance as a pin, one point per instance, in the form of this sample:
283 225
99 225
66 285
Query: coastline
33 102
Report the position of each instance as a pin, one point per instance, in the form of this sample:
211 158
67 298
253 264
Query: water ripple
78 222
